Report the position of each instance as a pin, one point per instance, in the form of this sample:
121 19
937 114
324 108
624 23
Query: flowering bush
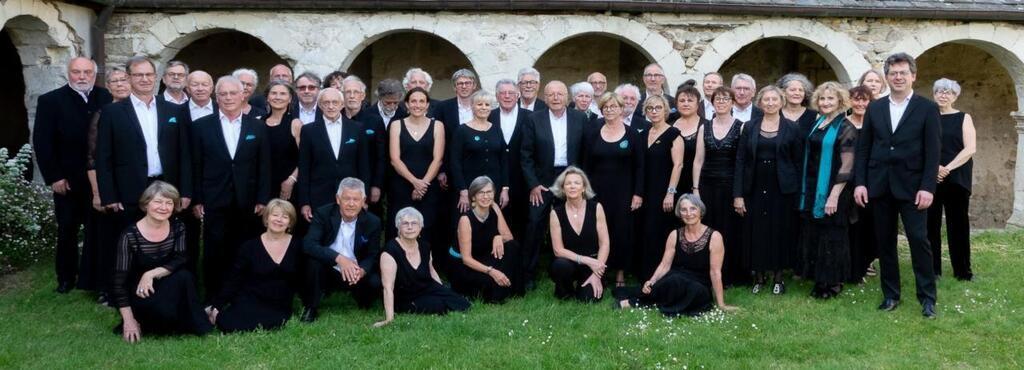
28 229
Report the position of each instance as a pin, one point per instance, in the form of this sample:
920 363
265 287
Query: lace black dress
716 184
686 288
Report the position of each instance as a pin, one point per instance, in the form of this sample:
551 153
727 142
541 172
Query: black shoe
756 289
778 288
64 287
103 300
888 304
309 315
928 310
969 277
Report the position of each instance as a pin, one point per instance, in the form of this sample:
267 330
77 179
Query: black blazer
904 162
220 179
319 171
789 154
324 230
537 154
538 105
516 181
121 166
61 131
377 145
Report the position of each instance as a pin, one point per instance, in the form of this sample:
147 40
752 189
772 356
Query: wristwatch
671 189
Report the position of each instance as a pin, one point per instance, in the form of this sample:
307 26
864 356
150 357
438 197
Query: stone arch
378 58
769 59
623 63
221 51
841 53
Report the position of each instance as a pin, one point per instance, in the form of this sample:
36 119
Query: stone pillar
1017 218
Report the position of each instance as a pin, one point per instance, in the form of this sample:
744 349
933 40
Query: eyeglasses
465 83
723 99
946 92
174 75
653 75
306 88
529 83
654 108
899 73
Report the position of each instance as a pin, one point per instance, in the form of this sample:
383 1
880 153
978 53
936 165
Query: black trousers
955 200
886 209
224 230
536 232
71 211
322 278
569 277
193 235
472 283
173 309
99 252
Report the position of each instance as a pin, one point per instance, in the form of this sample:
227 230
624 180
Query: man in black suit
232 168
452 113
512 119
343 247
529 87
354 91
330 149
140 140
896 168
632 117
744 87
389 106
60 138
551 142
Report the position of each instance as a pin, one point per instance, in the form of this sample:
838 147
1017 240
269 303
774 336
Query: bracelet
577 259
488 272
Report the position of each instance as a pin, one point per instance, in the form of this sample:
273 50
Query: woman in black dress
714 166
688 280
579 238
260 289
416 147
795 87
765 188
151 290
862 227
488 262
283 131
953 192
688 105
663 164
478 149
826 200
613 156
407 272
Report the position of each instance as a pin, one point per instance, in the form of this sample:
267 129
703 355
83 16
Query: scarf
821 189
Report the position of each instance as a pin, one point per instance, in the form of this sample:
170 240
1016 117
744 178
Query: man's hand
860 196
61 186
537 195
923 200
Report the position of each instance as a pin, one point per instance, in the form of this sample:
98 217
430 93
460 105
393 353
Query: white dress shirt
709 109
384 116
307 116
508 123
896 109
465 113
742 114
148 123
528 107
232 129
627 119
334 134
197 111
596 110
170 98
345 242
560 134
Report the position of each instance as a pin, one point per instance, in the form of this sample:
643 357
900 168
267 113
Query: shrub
28 229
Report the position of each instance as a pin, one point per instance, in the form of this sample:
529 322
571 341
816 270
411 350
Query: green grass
979 326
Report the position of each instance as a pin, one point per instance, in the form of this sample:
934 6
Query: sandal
778 288
756 289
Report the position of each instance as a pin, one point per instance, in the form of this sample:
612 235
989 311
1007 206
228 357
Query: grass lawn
980 325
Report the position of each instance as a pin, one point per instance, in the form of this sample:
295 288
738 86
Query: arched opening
14 121
988 95
768 59
392 55
619 61
222 52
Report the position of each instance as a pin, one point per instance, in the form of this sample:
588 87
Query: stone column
1017 218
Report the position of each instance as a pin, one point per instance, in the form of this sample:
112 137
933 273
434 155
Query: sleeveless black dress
686 288
284 153
259 291
654 224
472 283
569 275
689 153
416 155
716 185
616 172
415 290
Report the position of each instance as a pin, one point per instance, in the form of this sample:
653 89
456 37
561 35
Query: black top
585 243
843 152
787 152
689 153
256 276
806 121
483 233
658 165
416 155
411 282
952 144
284 153
720 155
136 255
478 153
693 258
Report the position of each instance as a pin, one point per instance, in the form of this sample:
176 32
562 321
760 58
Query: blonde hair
610 97
831 86
556 188
283 205
159 188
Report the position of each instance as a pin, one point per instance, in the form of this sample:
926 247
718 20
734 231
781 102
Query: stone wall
572 60
394 54
221 53
770 59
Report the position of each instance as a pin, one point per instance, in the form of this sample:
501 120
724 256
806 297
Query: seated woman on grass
488 262
579 239
150 288
410 282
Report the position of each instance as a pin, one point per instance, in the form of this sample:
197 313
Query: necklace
575 212
481 217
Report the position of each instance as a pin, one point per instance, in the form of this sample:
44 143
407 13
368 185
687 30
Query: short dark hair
336 75
408 94
389 87
900 57
136 60
688 88
723 90
861 91
309 76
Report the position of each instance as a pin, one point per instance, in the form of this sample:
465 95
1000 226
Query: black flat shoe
103 300
928 310
309 315
64 287
778 288
888 304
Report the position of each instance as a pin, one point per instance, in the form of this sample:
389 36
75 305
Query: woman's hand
499 277
831 204
668 203
595 266
130 331
739 206
442 179
503 199
145 287
728 308
636 203
595 282
420 185
463 200
381 324
286 188
498 247
97 204
648 285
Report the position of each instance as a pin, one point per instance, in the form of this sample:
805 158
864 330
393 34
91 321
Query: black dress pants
569 277
472 283
71 211
224 230
322 278
886 209
955 200
536 231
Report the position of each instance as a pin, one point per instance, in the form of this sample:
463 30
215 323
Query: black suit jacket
904 162
517 183
789 154
538 105
220 179
324 230
537 154
319 171
377 145
121 166
61 131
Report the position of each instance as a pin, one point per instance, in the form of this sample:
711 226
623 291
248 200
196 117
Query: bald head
555 95
81 74
200 87
330 101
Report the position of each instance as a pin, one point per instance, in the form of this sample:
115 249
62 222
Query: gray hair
95 67
631 87
479 184
556 188
529 71
482 95
227 80
329 90
389 87
414 70
159 188
310 76
176 63
900 57
777 90
581 87
246 71
352 183
356 80
690 197
743 77
946 84
408 212
798 77
112 70
463 73
505 81
133 61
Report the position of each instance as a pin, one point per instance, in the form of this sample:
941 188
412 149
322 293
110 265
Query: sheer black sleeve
122 267
846 148
178 256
